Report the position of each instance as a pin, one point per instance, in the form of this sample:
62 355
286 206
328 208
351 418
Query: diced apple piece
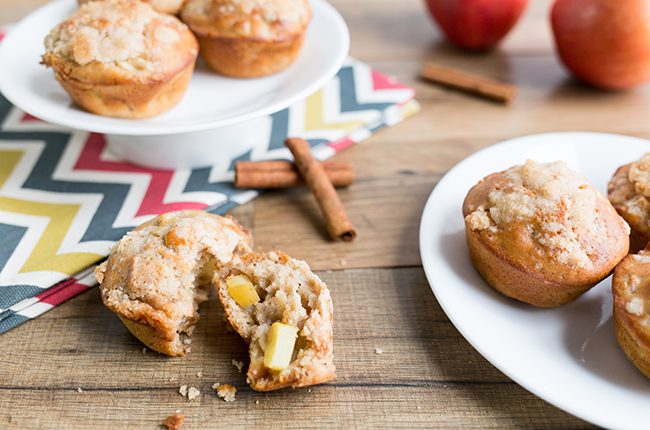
280 341
242 290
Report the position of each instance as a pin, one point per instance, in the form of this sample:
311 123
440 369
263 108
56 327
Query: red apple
476 24
604 42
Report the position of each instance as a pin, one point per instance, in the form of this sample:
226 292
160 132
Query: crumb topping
558 205
639 175
635 306
251 18
127 33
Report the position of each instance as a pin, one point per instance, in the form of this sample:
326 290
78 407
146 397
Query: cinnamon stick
283 174
470 83
337 221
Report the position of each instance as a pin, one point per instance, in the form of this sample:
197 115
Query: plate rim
337 23
426 255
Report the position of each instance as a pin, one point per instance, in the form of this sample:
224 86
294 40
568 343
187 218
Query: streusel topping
639 175
557 205
127 33
264 19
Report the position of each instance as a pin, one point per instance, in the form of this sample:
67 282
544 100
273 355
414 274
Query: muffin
284 291
248 38
165 6
539 233
158 274
629 192
121 58
631 290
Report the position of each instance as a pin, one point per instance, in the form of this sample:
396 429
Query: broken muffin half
284 311
158 274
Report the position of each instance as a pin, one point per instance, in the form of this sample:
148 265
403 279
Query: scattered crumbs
79 390
444 385
177 411
343 262
309 390
257 402
172 379
183 390
215 386
144 350
239 365
187 341
379 351
419 407
226 392
174 422
193 393
199 374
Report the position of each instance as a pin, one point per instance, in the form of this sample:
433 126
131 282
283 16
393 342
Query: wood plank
426 375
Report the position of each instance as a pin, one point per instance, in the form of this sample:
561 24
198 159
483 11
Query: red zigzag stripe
152 203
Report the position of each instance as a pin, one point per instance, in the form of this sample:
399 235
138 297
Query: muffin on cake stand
219 118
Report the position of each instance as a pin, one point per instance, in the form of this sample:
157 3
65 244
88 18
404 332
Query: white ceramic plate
568 356
211 101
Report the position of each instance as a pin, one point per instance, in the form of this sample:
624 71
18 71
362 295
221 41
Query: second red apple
476 24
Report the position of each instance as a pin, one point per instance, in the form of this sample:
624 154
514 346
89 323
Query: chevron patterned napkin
64 200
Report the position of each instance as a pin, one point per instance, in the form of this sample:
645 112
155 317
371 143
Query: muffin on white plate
121 58
165 6
248 38
541 234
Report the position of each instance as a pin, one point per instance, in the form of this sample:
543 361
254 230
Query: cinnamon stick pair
316 178
283 174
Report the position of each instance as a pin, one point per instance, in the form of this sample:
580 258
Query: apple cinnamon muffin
629 192
165 6
284 311
631 290
121 58
248 38
158 274
541 234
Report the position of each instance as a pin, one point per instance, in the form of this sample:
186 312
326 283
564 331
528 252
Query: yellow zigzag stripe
44 255
314 116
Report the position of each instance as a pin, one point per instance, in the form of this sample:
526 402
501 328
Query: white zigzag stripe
14 122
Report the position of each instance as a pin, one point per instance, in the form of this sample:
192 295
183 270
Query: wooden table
428 375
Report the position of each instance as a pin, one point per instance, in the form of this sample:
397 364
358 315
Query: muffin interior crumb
290 293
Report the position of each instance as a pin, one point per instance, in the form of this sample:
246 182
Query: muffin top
126 38
546 217
251 19
165 6
628 191
160 271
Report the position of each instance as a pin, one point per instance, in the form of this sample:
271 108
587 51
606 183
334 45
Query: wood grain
428 375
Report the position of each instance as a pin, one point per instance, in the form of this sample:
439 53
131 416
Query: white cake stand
219 118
